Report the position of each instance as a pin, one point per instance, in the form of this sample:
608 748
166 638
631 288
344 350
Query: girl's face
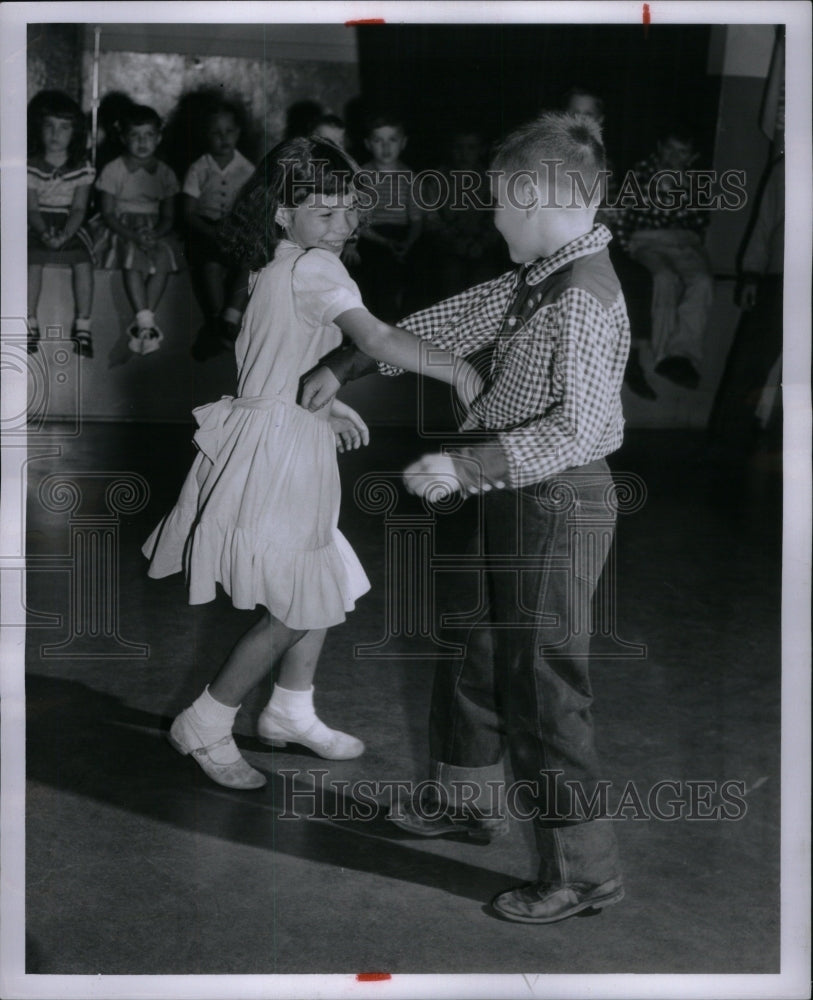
322 220
221 136
141 141
56 135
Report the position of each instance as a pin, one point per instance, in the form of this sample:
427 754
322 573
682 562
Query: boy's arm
192 217
590 361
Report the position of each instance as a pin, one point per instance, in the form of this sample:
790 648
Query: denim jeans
523 682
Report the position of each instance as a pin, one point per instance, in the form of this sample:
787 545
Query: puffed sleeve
109 179
191 184
169 182
322 287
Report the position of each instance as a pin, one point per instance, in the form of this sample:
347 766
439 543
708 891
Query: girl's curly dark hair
284 178
56 104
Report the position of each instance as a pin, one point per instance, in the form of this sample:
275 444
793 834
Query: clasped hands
432 476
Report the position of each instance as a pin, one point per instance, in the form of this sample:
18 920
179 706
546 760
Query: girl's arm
35 219
76 216
404 350
166 217
109 216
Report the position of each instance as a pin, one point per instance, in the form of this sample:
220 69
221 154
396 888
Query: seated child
460 222
634 278
138 206
59 184
665 234
209 190
393 223
332 128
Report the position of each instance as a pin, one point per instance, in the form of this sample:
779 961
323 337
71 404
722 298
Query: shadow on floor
125 762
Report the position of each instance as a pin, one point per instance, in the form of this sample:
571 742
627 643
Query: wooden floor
136 864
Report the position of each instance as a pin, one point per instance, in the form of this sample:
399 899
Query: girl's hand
433 477
145 239
350 430
319 388
58 239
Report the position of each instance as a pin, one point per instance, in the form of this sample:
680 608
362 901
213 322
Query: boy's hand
319 388
350 430
432 476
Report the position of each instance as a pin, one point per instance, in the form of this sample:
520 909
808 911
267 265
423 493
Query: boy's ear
368 145
281 217
528 195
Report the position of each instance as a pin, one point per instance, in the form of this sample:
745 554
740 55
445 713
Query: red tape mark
372 977
364 20
647 19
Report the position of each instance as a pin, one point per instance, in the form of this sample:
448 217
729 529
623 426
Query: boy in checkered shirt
548 415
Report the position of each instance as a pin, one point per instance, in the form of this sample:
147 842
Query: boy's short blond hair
568 144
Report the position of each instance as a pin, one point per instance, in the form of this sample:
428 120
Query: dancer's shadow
87 743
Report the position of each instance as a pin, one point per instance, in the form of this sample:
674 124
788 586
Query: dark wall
501 75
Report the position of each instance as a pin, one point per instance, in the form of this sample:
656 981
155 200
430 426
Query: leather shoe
481 830
237 773
539 903
332 744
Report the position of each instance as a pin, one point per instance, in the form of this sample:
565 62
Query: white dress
258 512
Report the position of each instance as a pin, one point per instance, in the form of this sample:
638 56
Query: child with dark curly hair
259 510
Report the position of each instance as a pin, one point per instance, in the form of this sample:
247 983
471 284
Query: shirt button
500 484
512 321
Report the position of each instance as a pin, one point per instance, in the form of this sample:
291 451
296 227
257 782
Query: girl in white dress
258 512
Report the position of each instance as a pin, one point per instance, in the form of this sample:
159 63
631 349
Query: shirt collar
598 238
134 168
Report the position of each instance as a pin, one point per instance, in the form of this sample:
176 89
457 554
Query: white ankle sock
145 319
213 715
294 705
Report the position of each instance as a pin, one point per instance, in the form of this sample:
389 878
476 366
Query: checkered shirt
552 401
646 214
